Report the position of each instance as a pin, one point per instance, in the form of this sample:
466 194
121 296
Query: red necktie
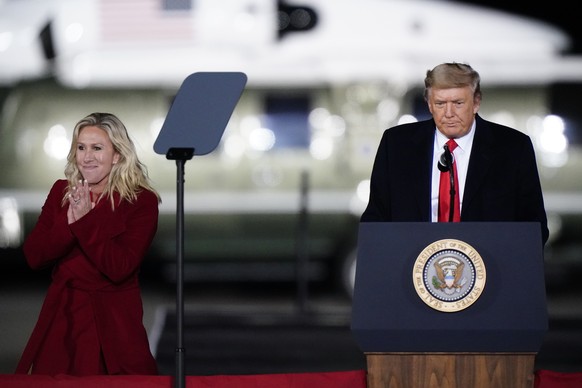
445 191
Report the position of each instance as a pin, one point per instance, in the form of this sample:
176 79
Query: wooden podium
490 342
440 370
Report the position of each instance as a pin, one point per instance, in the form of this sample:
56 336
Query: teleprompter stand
194 125
491 343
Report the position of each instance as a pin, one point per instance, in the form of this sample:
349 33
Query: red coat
91 319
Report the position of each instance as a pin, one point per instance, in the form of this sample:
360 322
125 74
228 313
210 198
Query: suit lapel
479 162
421 164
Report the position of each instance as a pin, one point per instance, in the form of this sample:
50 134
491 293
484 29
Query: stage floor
250 329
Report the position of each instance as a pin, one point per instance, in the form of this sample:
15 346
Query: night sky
557 12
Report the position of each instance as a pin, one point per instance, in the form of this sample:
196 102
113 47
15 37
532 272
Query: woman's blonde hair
128 176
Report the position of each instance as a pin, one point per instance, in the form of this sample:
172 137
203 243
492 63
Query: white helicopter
325 78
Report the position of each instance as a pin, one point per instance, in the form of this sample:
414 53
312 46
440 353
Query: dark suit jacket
502 178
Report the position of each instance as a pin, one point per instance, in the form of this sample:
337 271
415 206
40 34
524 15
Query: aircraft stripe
318 201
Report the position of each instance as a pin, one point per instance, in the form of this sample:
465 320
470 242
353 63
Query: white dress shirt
461 155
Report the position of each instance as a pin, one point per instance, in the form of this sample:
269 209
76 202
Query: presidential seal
449 275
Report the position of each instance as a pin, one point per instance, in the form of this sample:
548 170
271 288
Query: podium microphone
446 164
446 160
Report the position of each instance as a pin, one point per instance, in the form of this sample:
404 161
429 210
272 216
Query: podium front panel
510 314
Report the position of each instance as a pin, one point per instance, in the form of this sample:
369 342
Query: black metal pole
180 155
180 351
302 271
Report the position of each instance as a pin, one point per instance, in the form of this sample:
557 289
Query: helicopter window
288 118
179 5
419 106
565 102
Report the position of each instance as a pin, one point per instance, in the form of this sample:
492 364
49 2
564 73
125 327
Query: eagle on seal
449 277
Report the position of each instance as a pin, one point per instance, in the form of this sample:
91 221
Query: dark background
557 12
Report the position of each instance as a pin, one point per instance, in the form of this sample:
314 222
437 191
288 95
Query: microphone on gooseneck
446 160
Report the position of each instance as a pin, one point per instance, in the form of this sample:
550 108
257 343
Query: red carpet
347 379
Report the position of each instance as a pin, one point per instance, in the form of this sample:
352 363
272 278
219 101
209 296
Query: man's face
453 110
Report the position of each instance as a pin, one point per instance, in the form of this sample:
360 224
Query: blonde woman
94 230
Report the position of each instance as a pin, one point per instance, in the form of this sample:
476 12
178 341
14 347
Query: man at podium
445 310
491 168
